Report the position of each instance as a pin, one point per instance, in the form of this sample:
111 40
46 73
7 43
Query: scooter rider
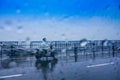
45 46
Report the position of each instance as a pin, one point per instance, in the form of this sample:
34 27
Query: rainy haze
59 39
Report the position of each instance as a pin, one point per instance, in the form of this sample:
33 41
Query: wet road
107 68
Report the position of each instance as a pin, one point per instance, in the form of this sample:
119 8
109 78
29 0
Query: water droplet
19 29
63 34
27 42
12 64
104 42
84 39
64 37
27 38
1 27
46 14
63 51
8 28
119 48
18 11
8 22
117 33
63 79
83 44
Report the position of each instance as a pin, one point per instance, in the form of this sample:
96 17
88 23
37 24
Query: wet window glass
59 39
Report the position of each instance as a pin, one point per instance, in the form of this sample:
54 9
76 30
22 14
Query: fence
83 47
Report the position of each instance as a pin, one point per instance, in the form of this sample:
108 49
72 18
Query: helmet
44 39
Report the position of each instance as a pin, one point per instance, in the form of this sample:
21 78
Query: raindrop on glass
63 51
8 28
19 29
12 64
27 40
8 22
1 27
63 79
46 14
18 11
64 37
83 44
117 33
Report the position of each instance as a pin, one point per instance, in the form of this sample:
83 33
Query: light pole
1 53
94 50
75 52
113 49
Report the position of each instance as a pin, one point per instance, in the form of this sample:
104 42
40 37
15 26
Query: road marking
10 76
97 65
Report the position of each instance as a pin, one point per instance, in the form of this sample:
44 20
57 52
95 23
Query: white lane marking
10 76
97 65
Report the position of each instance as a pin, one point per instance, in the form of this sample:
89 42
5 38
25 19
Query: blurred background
59 19
83 39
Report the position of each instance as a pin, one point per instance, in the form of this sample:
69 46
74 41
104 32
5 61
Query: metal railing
61 47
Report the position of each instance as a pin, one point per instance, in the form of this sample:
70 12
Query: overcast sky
59 19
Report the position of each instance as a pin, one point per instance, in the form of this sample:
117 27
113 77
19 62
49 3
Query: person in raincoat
45 46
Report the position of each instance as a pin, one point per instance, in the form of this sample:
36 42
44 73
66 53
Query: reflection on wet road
62 68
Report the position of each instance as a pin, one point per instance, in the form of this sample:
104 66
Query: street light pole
1 54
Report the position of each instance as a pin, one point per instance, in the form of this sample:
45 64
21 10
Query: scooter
45 54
